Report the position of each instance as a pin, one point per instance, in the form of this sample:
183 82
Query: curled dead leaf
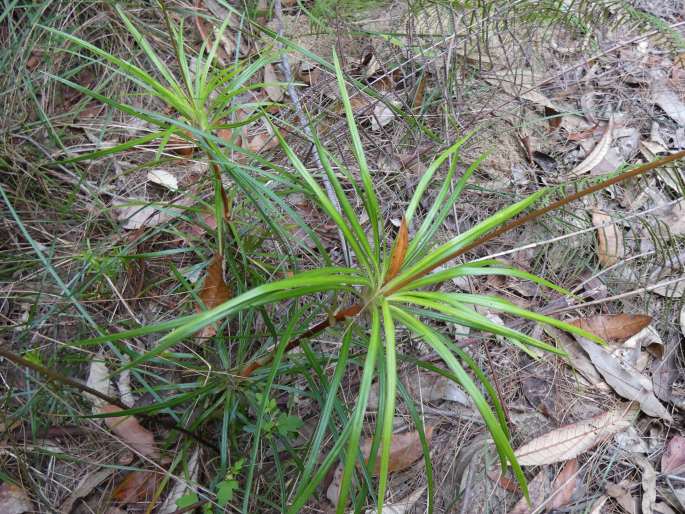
609 239
598 152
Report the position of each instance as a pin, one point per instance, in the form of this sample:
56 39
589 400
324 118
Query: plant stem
356 308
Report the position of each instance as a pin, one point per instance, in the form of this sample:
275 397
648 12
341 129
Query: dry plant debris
550 110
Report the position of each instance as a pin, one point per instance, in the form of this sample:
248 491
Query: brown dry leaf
609 238
132 432
84 488
648 484
668 100
402 506
571 440
136 486
273 90
180 146
405 450
262 142
613 327
564 485
621 493
399 251
14 500
625 380
215 291
538 490
34 60
674 456
598 152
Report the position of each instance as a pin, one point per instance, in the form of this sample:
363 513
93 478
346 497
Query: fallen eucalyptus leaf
274 90
538 490
163 178
569 441
621 493
14 500
613 327
98 379
84 488
625 381
405 450
131 432
674 456
648 484
564 486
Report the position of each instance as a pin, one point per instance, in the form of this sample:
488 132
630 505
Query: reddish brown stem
350 311
224 196
353 310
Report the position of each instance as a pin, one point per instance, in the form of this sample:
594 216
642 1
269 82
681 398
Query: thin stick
295 97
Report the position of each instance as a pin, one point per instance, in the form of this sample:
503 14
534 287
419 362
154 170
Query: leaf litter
610 253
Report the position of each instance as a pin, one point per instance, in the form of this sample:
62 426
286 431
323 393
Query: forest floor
109 224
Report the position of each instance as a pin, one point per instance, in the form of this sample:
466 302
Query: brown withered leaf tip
399 251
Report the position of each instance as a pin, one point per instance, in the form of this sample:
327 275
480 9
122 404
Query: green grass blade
389 408
467 237
357 420
149 52
427 177
370 200
469 318
133 72
498 435
266 395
